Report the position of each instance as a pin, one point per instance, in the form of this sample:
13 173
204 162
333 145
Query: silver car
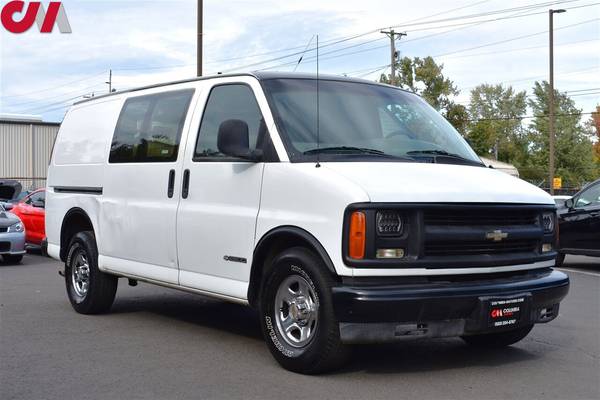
12 237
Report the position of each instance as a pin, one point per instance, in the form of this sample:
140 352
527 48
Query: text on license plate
505 312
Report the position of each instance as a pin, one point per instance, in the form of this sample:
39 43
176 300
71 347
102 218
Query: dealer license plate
505 312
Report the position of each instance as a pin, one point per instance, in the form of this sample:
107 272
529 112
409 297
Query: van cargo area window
227 102
149 128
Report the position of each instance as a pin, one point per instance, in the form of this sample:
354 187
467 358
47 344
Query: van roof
260 75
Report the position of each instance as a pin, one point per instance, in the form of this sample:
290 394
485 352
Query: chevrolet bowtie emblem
496 235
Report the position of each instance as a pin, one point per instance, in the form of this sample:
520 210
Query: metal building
25 148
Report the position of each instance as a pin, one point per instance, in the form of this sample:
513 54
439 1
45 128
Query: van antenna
318 120
303 53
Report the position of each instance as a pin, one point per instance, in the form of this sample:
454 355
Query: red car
31 210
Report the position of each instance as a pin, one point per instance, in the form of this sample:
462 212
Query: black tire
324 351
101 287
500 339
10 259
560 260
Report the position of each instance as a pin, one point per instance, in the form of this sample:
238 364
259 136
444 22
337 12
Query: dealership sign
33 11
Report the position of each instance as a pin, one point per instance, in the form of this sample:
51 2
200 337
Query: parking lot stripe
579 272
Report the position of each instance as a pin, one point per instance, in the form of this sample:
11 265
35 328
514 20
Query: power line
582 90
53 87
529 7
532 78
407 41
488 13
385 67
516 38
345 39
545 46
585 94
62 102
40 100
527 117
325 43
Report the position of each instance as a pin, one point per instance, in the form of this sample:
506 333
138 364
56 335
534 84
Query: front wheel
90 290
500 339
297 316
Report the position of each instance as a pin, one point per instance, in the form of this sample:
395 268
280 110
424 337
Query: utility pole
199 40
109 83
551 101
392 35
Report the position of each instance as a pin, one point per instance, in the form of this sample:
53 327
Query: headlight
548 222
389 223
16 228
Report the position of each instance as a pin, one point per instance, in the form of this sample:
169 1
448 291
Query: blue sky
153 41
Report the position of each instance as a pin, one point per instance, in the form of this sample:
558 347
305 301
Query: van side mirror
569 203
233 140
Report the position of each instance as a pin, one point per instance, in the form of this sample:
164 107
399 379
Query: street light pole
551 100
199 40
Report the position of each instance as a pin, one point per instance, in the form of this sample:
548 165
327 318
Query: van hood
445 183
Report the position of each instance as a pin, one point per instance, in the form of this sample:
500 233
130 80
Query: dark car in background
579 223
10 190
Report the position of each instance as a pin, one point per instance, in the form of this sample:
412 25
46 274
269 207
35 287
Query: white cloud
137 38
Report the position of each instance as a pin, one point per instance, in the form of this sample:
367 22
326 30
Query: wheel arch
271 244
75 220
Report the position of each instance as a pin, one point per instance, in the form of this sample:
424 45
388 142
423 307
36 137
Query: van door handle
185 190
171 187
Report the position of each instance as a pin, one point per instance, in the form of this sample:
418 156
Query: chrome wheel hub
80 274
296 311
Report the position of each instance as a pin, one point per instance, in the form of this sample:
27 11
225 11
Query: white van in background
343 210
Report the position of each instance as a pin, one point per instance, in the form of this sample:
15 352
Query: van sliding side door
142 186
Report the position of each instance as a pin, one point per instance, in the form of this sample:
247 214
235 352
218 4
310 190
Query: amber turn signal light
356 240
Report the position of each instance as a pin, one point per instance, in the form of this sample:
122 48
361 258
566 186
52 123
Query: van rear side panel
76 171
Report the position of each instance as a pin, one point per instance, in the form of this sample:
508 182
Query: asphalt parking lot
163 344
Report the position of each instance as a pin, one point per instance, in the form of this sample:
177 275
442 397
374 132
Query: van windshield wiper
443 153
353 150
344 149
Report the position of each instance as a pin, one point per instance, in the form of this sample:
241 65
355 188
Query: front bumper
380 311
12 243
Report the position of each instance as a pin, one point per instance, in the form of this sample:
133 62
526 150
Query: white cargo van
343 210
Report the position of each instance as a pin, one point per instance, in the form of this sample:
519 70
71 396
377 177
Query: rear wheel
500 339
10 259
297 316
90 290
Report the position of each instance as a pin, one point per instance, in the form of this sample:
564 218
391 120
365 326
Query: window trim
153 100
196 159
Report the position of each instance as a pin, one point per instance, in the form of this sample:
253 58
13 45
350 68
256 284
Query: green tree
458 116
495 125
574 152
424 77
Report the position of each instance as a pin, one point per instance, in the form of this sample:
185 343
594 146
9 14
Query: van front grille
479 248
464 232
485 217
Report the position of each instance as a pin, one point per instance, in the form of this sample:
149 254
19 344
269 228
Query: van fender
282 237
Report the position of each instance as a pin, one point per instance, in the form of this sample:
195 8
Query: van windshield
361 121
